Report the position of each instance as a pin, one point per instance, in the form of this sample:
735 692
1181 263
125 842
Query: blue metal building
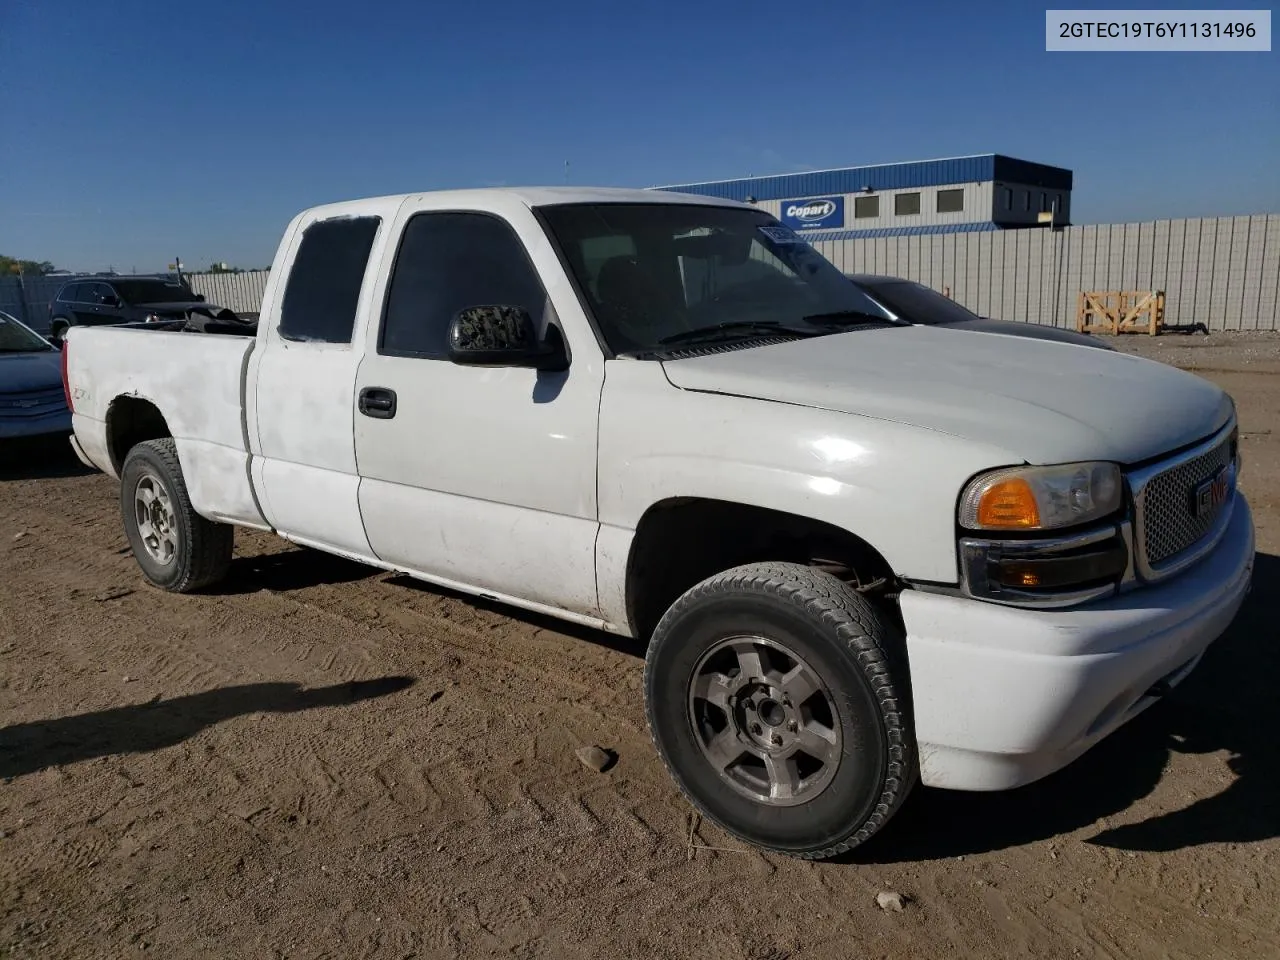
956 195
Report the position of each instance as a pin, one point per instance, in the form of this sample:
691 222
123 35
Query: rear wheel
177 549
776 699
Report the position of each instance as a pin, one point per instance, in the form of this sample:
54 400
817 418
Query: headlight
1041 498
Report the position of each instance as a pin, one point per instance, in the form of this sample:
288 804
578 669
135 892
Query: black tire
199 549
858 656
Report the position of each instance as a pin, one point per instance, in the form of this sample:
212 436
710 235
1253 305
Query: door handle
377 402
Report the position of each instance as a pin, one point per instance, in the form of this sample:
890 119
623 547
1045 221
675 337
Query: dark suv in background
93 302
924 306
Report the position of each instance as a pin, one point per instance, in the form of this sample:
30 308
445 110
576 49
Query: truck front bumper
1004 696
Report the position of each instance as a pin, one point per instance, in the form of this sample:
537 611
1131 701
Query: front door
483 477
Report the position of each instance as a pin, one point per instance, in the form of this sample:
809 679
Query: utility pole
24 311
1057 257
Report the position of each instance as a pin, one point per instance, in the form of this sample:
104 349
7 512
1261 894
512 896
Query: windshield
153 291
652 272
917 303
15 338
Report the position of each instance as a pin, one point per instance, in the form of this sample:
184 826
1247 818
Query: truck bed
197 379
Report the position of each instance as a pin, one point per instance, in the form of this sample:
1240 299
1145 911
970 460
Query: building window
1026 200
1006 198
905 204
866 208
1044 203
950 201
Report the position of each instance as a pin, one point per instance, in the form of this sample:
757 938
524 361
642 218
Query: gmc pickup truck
863 554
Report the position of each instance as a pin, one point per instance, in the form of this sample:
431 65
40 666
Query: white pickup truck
862 553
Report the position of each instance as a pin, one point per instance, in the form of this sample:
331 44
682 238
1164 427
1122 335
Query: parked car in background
116 300
922 305
32 401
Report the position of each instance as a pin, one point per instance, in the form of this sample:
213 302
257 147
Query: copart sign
808 214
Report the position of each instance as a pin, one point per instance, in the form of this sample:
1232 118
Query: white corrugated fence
1223 272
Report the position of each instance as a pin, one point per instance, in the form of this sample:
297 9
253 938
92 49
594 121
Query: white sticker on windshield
780 234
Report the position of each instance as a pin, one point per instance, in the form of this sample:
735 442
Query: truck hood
1042 401
23 372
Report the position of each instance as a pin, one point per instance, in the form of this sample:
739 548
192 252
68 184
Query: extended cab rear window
323 289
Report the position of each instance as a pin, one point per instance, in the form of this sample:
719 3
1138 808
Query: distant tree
10 265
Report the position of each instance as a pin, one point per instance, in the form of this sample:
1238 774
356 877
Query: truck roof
547 196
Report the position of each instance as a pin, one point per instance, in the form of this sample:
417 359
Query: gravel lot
323 760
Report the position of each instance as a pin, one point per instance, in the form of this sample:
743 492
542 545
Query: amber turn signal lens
1018 575
1009 504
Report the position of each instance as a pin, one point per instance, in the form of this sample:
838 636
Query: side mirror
503 336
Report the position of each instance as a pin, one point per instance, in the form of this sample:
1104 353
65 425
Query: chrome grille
1169 519
31 403
43 394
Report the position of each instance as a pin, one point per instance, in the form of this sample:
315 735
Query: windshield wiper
851 317
721 331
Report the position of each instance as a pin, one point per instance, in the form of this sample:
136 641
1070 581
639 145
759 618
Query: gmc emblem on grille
1211 494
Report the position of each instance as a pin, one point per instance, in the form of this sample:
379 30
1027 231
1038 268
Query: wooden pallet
1120 311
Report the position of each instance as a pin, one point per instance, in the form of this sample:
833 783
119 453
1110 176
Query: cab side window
446 263
323 290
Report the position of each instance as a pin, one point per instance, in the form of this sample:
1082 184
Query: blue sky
134 131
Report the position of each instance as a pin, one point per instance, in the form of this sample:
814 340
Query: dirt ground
323 760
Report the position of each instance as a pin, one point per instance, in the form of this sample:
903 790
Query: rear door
65 304
302 376
483 477
88 303
111 308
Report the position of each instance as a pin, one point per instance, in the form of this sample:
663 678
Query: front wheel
776 697
177 549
